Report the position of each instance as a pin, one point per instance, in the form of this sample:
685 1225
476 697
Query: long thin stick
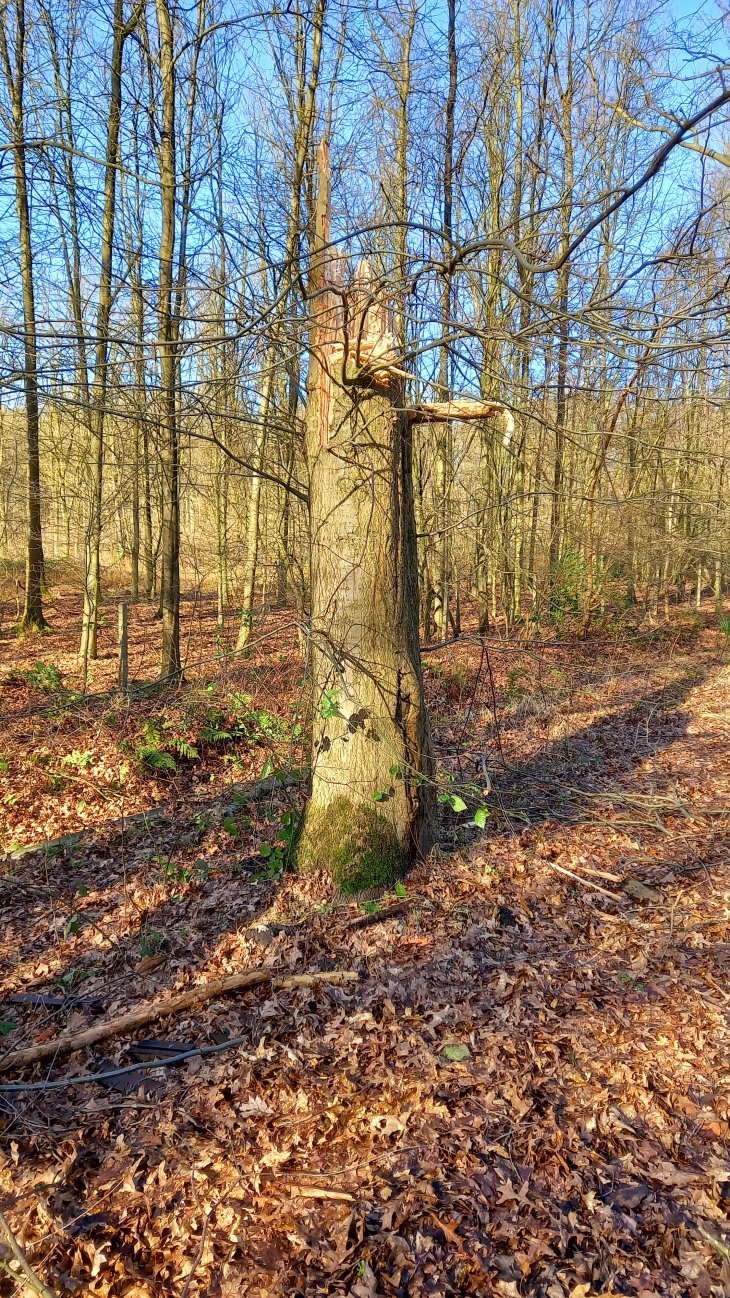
582 879
29 1274
146 1013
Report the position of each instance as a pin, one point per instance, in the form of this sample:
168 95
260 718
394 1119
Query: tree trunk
371 809
92 565
135 540
444 447
254 502
370 813
565 88
170 458
32 619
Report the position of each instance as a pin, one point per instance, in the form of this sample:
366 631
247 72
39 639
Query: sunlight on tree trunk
170 457
14 68
371 809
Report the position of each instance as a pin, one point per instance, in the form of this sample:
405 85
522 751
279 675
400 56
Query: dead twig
29 1276
378 916
102 1078
562 869
317 1192
601 874
198 1257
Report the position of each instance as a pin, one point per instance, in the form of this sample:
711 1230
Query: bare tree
13 55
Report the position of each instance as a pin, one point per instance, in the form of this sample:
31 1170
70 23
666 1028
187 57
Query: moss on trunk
354 843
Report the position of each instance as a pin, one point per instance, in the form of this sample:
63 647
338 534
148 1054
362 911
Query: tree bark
92 565
371 810
170 456
254 503
443 470
14 67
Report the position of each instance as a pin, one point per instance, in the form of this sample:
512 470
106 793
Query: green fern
215 730
153 749
156 758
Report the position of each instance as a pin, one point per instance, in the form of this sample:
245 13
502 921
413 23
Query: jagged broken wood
431 412
152 1010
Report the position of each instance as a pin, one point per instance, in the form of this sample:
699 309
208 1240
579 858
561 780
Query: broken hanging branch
434 412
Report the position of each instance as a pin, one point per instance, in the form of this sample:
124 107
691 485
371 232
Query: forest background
158 195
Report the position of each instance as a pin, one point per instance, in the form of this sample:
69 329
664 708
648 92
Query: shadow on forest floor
568 778
521 1097
568 775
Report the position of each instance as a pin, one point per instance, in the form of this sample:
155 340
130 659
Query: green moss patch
354 843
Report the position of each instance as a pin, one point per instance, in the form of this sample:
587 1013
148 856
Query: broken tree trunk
371 812
371 808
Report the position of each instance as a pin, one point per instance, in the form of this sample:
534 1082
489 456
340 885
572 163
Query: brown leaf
149 963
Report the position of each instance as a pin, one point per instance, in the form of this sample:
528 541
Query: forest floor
525 1092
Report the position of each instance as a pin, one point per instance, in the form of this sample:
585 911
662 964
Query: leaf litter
526 1092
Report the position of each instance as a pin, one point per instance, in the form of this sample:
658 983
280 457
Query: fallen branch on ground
378 916
147 1013
587 883
317 1192
198 1256
102 1078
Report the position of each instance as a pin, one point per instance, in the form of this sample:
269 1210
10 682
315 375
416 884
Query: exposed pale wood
587 883
319 1192
152 1010
374 357
429 412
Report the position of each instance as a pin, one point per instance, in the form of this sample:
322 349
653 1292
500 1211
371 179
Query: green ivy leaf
400 890
329 707
481 816
453 800
6 1026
